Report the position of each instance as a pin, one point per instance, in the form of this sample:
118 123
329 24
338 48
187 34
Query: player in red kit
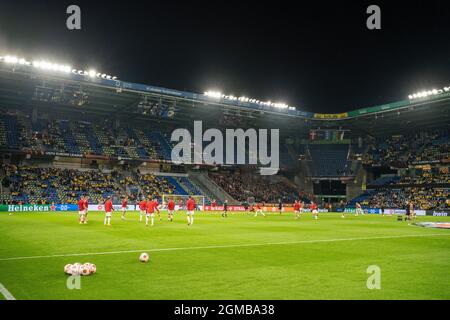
81 210
258 209
152 205
190 206
297 209
86 205
170 209
142 208
124 207
108 211
314 210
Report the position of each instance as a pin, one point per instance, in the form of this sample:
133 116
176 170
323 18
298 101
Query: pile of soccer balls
78 269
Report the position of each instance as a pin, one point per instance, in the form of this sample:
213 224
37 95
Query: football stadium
67 135
113 189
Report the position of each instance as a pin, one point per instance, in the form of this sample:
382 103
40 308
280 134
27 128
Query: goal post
181 199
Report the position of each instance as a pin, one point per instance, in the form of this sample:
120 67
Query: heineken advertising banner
37 207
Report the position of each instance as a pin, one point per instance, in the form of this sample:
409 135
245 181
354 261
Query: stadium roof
24 84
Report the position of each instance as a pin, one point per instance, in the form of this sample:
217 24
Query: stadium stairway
69 139
193 189
214 191
361 198
140 151
2 133
95 144
178 188
12 131
166 149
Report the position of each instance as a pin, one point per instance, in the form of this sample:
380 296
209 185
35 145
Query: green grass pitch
239 257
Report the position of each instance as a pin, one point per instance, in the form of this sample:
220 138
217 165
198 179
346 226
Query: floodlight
11 59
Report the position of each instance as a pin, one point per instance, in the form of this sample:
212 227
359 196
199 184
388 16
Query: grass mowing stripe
6 293
224 246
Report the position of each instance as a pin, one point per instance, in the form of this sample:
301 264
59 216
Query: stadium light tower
47 66
427 93
219 95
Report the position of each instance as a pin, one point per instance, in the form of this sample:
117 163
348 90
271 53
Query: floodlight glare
11 59
213 94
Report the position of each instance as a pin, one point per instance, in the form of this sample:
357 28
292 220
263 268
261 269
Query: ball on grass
144 257
85 269
75 269
68 269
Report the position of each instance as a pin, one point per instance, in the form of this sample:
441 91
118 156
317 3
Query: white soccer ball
68 269
75 269
85 269
93 268
144 257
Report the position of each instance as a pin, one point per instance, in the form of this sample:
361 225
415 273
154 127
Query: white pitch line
6 293
223 246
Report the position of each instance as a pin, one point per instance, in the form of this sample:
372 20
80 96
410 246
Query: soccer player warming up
410 214
81 210
124 207
152 205
342 206
297 209
108 211
358 209
142 208
190 204
170 209
314 210
86 205
225 209
258 210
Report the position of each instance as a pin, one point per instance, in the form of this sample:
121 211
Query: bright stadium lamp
11 59
214 94
92 73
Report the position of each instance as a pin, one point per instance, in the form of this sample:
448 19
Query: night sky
318 57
